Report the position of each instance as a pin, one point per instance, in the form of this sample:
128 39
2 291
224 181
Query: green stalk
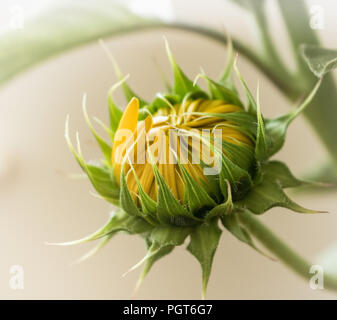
284 253
297 22
322 113
270 54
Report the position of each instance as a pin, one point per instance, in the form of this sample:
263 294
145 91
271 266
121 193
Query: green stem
270 53
297 22
322 113
276 246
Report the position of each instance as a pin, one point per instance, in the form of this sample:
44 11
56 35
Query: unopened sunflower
188 161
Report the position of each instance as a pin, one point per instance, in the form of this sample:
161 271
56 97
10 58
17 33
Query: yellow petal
128 122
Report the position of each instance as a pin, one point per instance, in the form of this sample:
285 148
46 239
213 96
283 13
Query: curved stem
276 246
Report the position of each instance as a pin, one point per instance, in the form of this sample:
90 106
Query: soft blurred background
39 203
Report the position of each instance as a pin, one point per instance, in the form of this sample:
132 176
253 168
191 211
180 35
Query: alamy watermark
170 146
16 280
317 17
317 280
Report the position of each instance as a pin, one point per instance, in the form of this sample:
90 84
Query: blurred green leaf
322 173
320 60
250 4
61 28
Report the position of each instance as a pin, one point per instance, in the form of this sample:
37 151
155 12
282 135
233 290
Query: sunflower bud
187 160
182 155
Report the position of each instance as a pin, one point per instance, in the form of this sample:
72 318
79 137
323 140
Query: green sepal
101 178
164 238
211 185
169 235
150 262
218 91
203 244
97 248
196 196
239 179
252 106
227 78
128 92
268 193
106 129
118 221
163 76
276 129
232 223
161 237
168 207
149 206
279 172
103 181
106 149
242 155
126 201
261 147
115 113
182 85
224 208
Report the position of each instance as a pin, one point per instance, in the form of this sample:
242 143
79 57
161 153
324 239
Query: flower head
187 160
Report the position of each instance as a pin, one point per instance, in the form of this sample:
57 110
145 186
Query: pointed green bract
150 262
106 149
196 196
115 113
100 177
149 206
279 172
227 79
118 221
182 85
276 129
165 238
268 193
128 92
169 235
224 208
218 91
242 155
103 181
261 146
232 224
126 200
252 107
239 179
203 244
168 206
97 248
